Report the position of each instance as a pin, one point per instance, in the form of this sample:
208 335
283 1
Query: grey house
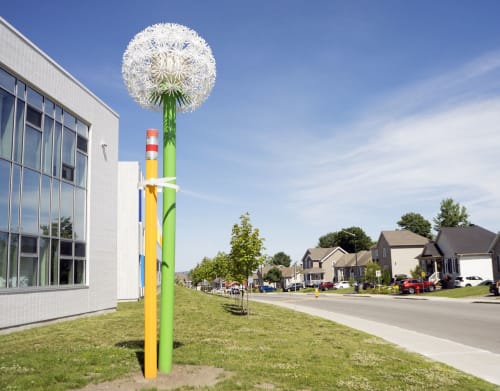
459 251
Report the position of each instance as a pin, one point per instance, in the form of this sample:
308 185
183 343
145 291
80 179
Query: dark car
495 288
294 286
266 288
326 285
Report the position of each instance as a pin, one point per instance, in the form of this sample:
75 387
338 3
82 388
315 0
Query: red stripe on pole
152 147
152 133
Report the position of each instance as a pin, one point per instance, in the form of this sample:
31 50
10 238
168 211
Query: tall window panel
43 189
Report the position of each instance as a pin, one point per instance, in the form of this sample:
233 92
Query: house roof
431 250
404 237
467 240
364 257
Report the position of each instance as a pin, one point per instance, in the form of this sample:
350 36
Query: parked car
266 288
341 285
410 285
495 288
469 281
326 285
234 291
294 286
486 282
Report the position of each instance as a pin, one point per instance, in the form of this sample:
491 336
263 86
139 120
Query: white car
341 285
471 281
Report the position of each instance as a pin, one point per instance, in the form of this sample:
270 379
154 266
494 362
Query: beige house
352 266
495 257
397 251
318 264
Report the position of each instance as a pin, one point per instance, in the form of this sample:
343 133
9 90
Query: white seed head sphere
168 58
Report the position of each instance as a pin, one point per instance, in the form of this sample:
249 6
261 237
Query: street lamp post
356 271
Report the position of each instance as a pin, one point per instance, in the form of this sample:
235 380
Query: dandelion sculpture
168 66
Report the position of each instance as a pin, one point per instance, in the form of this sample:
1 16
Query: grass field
272 348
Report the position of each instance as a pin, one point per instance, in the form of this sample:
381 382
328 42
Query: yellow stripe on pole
150 311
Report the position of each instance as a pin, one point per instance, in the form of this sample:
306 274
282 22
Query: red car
325 285
410 285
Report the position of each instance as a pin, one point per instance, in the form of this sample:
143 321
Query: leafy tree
451 214
281 259
351 239
327 241
417 272
416 223
273 275
202 271
221 265
246 250
371 271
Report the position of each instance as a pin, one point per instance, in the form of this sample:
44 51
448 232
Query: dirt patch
181 375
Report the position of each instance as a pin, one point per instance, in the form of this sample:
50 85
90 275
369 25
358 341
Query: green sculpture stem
166 336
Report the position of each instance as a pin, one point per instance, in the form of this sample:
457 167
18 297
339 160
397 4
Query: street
462 333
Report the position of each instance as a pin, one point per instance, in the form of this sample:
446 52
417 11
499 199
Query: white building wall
128 275
21 58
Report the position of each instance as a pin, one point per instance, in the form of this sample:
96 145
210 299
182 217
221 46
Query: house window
43 190
384 252
498 263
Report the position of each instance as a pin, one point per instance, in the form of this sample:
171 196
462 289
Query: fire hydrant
316 292
418 289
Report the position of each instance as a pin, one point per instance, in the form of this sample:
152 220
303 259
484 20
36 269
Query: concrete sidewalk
477 362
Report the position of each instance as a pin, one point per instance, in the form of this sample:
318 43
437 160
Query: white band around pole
160 182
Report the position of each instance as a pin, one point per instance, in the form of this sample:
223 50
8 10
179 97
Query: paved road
462 333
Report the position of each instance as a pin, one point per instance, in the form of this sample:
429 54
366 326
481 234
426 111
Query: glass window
4 194
49 107
47 145
66 248
54 262
68 152
80 250
4 243
66 272
82 129
80 196
21 90
69 121
28 267
79 277
33 117
56 162
30 201
35 99
55 208
81 144
15 200
28 245
45 206
7 81
18 136
81 169
32 147
44 261
6 123
13 257
59 114
68 172
66 219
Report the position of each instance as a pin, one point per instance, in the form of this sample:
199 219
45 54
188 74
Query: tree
281 259
371 271
273 275
416 223
451 214
246 250
352 239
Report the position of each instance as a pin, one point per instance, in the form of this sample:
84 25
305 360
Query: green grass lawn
457 293
272 348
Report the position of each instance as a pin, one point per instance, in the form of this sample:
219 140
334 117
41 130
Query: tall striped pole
150 316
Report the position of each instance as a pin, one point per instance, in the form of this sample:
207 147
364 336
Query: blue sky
324 114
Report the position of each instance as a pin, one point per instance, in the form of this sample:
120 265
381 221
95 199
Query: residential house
397 251
318 264
495 257
460 251
352 266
